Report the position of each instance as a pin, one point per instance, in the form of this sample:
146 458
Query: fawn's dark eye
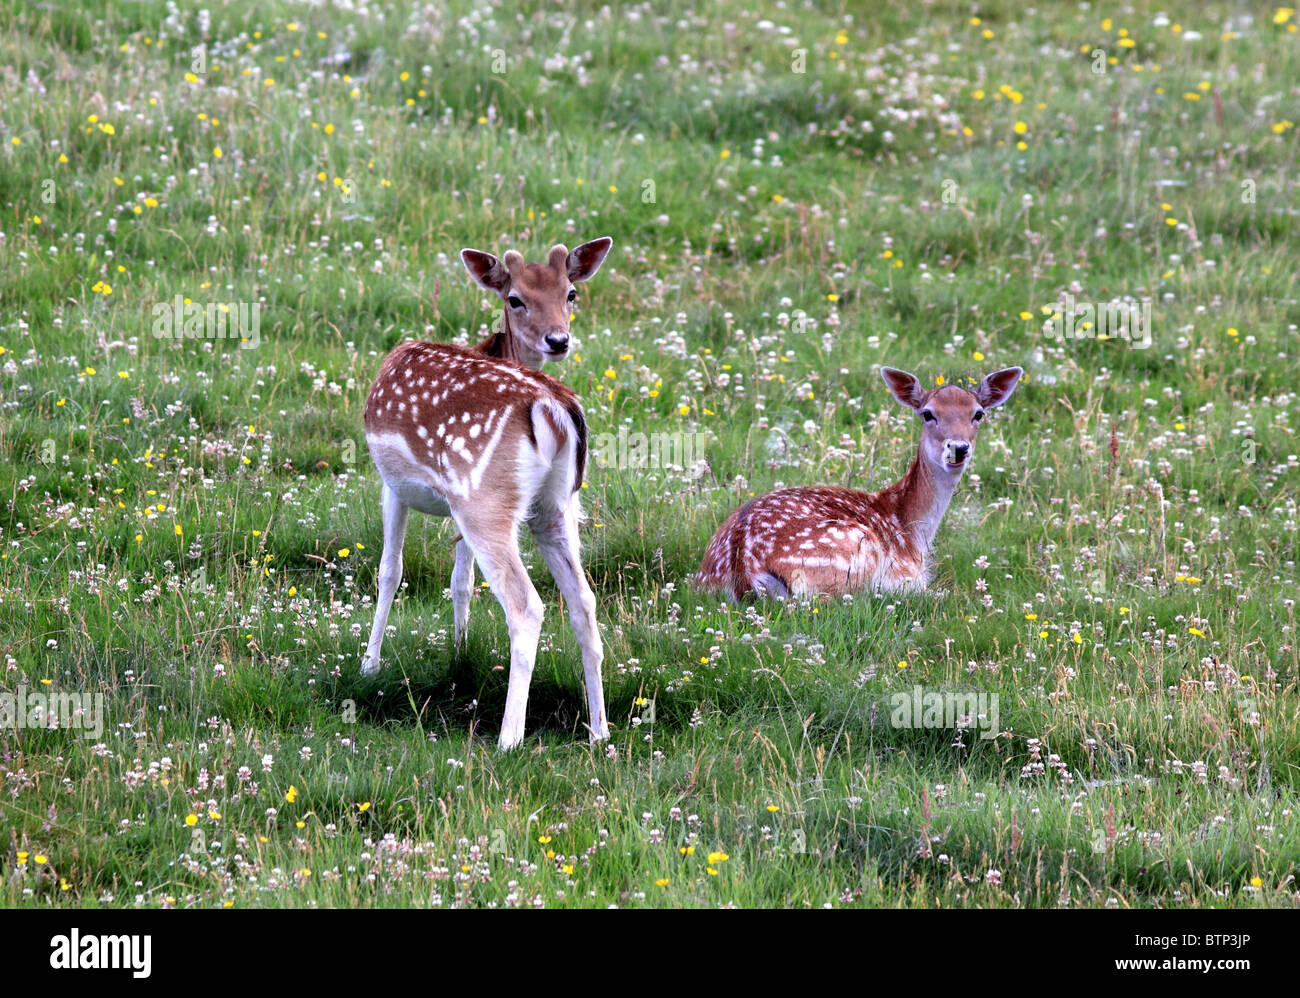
977 417
927 415
573 294
515 302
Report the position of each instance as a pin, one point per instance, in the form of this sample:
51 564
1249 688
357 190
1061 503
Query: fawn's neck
920 500
503 344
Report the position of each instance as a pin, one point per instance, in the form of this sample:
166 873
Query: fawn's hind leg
390 575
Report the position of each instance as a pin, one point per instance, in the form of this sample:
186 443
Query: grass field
798 193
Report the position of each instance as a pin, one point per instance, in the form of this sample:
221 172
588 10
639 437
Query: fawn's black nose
557 342
959 452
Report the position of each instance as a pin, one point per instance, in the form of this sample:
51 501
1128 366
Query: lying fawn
830 540
482 437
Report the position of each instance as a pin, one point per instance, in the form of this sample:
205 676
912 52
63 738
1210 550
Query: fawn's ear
584 261
903 386
487 271
998 386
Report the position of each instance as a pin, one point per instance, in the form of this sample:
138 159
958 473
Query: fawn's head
539 297
950 415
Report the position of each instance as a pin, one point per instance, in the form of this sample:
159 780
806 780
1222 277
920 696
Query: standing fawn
482 437
830 540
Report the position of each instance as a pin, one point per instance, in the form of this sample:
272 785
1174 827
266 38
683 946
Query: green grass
1119 570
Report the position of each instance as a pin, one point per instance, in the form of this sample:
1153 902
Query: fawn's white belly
414 484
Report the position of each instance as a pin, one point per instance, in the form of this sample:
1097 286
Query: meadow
798 193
